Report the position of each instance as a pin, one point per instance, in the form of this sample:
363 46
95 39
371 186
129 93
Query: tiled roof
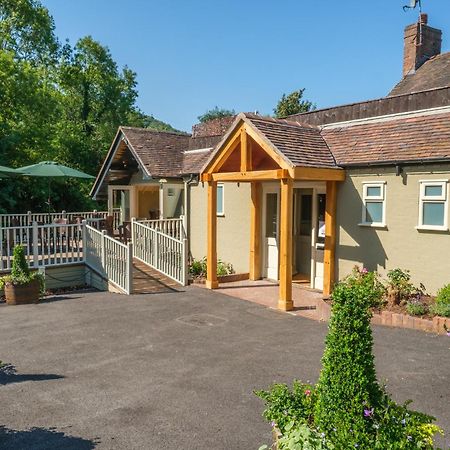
160 152
300 144
194 161
435 73
383 141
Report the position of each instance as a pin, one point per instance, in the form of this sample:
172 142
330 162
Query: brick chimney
421 43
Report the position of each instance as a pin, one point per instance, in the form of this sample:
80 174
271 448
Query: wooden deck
148 281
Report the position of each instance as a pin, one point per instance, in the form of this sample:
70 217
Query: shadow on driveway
42 438
8 375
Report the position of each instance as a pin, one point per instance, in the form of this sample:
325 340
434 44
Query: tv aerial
413 5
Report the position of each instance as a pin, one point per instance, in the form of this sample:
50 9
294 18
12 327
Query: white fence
158 249
45 245
22 220
171 227
109 257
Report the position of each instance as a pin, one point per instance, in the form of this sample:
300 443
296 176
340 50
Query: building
314 194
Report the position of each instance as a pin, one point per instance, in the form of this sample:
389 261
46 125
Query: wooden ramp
149 281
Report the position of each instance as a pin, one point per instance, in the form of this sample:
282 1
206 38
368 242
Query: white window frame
443 198
222 186
368 199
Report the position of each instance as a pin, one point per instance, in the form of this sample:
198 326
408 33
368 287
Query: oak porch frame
286 175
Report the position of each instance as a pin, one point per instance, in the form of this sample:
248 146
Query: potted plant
21 286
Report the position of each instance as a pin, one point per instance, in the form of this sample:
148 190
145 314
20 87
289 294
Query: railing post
64 214
184 262
133 219
29 219
129 268
155 249
84 239
103 250
35 245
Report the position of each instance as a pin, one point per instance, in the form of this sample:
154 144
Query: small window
374 204
433 205
220 210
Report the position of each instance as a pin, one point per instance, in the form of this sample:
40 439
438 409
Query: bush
440 309
416 308
443 295
198 268
347 409
20 273
400 288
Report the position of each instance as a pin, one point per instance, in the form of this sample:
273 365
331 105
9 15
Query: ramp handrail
161 251
109 257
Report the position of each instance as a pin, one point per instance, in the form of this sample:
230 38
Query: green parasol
8 172
51 169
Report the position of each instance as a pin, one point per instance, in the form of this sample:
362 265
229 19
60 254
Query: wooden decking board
149 281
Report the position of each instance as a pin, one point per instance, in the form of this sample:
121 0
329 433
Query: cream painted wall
425 253
233 229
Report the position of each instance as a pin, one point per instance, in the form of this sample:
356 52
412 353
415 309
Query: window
433 205
374 204
220 210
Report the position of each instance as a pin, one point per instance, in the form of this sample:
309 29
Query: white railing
27 219
161 251
109 257
44 245
171 227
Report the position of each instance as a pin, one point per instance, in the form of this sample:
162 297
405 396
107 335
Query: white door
271 232
318 240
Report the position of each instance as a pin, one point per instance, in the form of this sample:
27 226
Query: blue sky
191 55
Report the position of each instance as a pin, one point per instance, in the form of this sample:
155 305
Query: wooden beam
255 230
317 174
285 302
211 254
256 175
244 150
330 238
220 159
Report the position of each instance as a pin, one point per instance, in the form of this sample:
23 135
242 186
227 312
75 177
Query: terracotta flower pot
22 294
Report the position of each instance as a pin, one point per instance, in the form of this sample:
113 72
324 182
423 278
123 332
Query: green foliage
198 268
19 265
20 273
285 406
59 103
347 385
348 409
416 307
440 309
443 295
399 286
292 104
216 113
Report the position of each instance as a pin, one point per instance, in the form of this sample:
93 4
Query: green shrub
198 268
347 385
20 273
443 295
347 409
440 309
416 308
400 288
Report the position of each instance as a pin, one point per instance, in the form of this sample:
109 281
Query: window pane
271 215
433 213
306 215
220 199
433 191
373 191
374 212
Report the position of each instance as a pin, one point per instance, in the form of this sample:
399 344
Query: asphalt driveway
176 370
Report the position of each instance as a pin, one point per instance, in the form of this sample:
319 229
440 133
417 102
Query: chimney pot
423 18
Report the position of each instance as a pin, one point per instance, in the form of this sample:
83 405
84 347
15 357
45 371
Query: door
303 213
318 241
271 232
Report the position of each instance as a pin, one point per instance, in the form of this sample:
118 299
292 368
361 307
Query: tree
216 113
292 104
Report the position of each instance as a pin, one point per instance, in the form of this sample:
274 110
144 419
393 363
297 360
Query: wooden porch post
211 256
255 231
330 238
285 302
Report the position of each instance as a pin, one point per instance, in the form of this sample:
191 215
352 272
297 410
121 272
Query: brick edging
390 319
